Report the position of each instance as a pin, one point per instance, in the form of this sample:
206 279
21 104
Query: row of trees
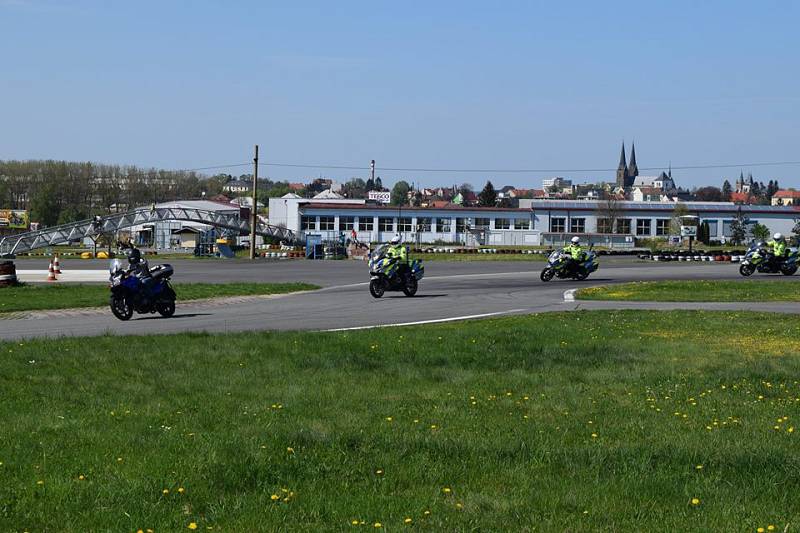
58 192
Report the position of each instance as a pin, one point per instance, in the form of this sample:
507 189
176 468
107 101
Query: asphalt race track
450 291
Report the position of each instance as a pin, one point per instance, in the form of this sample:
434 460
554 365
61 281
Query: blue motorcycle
144 290
386 274
561 265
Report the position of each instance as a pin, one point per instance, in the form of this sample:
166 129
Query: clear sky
414 84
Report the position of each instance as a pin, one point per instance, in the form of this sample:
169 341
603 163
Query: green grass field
763 290
32 297
614 421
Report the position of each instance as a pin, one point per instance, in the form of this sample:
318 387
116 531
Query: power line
527 170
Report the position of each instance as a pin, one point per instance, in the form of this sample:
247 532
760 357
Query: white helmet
396 239
576 240
778 237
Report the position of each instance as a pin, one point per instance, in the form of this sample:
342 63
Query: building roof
786 194
395 209
720 207
741 197
328 194
205 205
296 186
290 195
649 190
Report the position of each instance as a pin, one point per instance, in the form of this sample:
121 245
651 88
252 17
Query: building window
308 223
346 223
623 225
326 223
558 225
423 224
461 225
577 225
712 228
642 226
385 224
404 224
604 225
522 223
481 223
365 224
502 223
443 225
662 226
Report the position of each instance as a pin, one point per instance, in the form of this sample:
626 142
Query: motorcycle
144 294
386 274
561 265
755 260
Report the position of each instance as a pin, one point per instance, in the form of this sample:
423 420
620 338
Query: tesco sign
380 196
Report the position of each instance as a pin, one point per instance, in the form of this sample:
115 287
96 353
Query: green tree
739 228
726 191
488 196
70 214
44 205
760 232
400 193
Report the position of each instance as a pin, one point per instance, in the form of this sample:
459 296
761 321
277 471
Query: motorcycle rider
138 267
397 251
575 252
776 249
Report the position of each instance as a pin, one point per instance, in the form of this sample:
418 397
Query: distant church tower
633 170
622 170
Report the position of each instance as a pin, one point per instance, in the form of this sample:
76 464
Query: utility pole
254 208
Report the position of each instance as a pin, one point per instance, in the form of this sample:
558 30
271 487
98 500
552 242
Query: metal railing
77 231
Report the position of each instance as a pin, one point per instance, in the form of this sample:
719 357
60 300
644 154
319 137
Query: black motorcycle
141 289
387 274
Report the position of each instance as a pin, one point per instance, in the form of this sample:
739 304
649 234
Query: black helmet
134 256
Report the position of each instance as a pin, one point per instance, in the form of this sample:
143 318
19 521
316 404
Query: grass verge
615 421
37 297
695 291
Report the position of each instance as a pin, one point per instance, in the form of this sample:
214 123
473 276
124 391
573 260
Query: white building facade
536 222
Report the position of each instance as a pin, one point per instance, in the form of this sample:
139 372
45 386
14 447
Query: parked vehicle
561 265
386 274
143 290
755 260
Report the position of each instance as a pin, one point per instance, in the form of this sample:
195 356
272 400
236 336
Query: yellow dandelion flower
354 522
388 418
459 506
698 467
119 459
407 521
181 490
81 477
446 490
790 430
760 530
192 525
695 501
426 513
379 472
594 435
274 497
377 525
40 482
165 492
770 527
433 426
290 450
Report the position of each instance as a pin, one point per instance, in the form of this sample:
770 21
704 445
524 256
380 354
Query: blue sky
415 84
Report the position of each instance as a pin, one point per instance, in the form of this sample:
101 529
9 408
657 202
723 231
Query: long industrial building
535 222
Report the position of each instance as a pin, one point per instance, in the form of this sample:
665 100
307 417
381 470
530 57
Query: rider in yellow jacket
777 248
575 252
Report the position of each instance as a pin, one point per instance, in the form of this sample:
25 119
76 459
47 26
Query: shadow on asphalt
417 296
183 315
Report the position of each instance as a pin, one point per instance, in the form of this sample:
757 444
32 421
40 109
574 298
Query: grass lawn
32 297
696 291
479 257
615 421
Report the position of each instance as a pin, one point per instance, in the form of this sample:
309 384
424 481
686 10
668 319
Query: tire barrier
727 256
8 274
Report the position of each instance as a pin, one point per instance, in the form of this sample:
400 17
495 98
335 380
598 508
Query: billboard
14 219
383 197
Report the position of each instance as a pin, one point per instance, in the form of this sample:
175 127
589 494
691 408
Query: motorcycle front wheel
746 270
547 274
410 287
121 307
166 308
376 288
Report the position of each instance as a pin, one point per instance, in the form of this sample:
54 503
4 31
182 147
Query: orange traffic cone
51 273
56 266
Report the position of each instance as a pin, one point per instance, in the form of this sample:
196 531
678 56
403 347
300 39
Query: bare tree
609 212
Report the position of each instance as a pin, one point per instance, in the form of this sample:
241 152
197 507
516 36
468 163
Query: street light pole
254 208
